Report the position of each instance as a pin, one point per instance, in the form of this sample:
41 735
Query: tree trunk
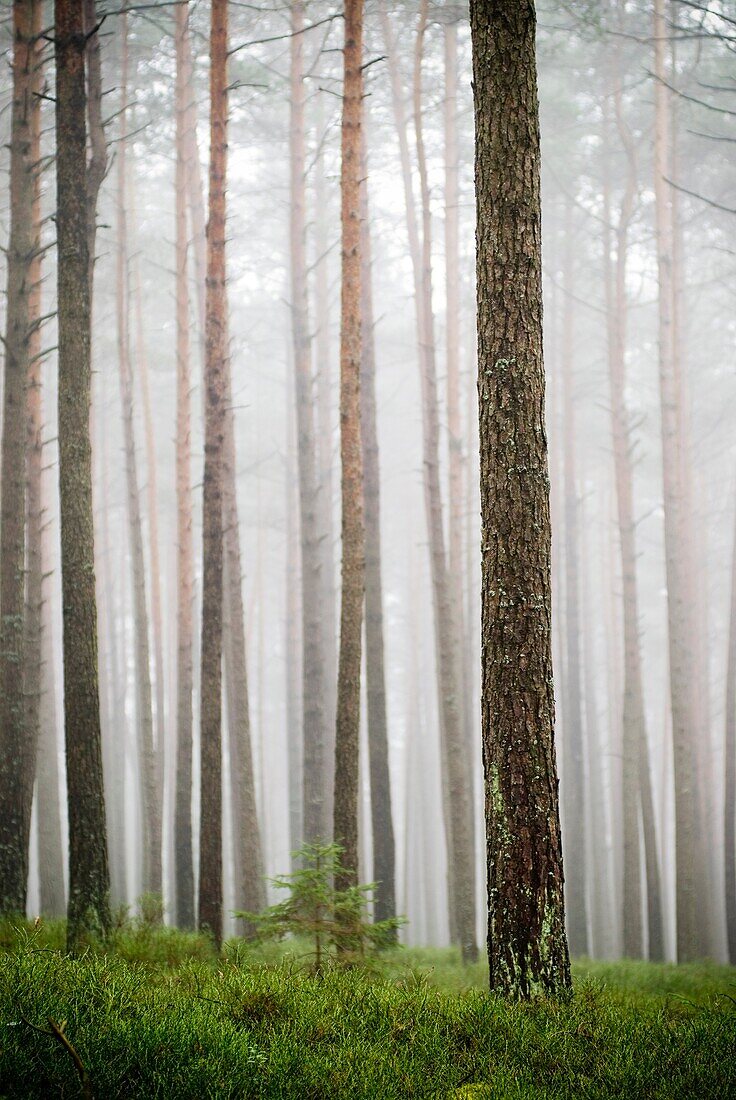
527 948
294 739
39 687
150 804
456 765
17 743
316 821
183 855
573 786
89 880
325 452
210 836
689 859
250 891
729 767
347 727
378 752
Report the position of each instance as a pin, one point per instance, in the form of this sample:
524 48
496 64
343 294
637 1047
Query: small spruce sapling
336 920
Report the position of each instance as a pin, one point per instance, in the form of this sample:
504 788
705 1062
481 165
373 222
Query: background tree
89 880
351 459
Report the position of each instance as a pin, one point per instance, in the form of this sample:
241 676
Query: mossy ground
157 1015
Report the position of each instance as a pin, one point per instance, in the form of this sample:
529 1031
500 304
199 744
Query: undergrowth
157 1014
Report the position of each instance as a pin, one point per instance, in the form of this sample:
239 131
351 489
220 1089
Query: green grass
159 1016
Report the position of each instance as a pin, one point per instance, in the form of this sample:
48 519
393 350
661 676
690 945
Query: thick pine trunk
183 854
89 881
316 822
527 948
351 458
378 752
210 833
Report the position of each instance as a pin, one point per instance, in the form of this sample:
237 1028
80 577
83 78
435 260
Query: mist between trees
302 629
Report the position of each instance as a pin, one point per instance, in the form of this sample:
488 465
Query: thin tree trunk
461 850
347 728
210 836
325 444
689 860
150 800
153 538
39 687
250 891
314 720
457 771
527 948
183 854
384 855
573 788
294 739
89 880
729 767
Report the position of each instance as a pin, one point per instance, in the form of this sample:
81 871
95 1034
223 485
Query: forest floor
157 1015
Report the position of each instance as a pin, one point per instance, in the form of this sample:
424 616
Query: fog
603 285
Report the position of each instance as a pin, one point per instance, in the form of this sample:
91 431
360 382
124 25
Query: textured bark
314 719
689 859
149 794
183 854
210 834
18 739
294 739
89 881
527 948
729 767
97 162
378 751
573 785
351 458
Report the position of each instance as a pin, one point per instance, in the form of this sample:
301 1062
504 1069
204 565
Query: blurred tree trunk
729 765
456 503
461 849
689 858
573 785
314 691
294 740
183 854
111 626
384 855
17 740
527 947
325 453
149 794
89 880
210 837
351 457
457 788
153 537
249 883
38 671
